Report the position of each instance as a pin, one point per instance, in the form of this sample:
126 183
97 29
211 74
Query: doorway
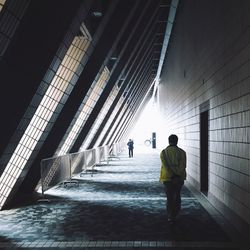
204 152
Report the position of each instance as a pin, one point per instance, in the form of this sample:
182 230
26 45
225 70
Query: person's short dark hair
173 139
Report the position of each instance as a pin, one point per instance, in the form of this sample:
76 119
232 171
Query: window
51 99
85 111
100 118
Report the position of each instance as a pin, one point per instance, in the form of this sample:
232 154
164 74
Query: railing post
70 167
42 179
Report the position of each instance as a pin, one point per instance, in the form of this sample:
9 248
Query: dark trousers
130 152
173 203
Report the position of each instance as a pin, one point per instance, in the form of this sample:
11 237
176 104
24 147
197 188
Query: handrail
61 168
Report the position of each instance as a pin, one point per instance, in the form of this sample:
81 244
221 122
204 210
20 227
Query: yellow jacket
177 158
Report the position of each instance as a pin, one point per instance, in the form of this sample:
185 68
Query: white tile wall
217 69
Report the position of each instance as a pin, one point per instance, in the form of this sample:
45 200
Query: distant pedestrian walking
173 174
130 145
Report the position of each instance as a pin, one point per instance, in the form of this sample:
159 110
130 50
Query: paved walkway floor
119 206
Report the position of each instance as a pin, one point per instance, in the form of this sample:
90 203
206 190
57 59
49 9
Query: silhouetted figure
130 148
173 174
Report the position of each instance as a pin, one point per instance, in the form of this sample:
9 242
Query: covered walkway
120 205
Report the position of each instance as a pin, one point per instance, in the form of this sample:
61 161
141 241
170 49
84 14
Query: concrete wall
207 67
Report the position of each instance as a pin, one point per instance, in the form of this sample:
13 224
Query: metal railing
116 149
60 169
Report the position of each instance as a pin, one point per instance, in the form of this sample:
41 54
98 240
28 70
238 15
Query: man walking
173 174
130 145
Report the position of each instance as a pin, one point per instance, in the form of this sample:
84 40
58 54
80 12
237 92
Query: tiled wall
208 61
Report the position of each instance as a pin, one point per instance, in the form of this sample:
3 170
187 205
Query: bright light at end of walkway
148 123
